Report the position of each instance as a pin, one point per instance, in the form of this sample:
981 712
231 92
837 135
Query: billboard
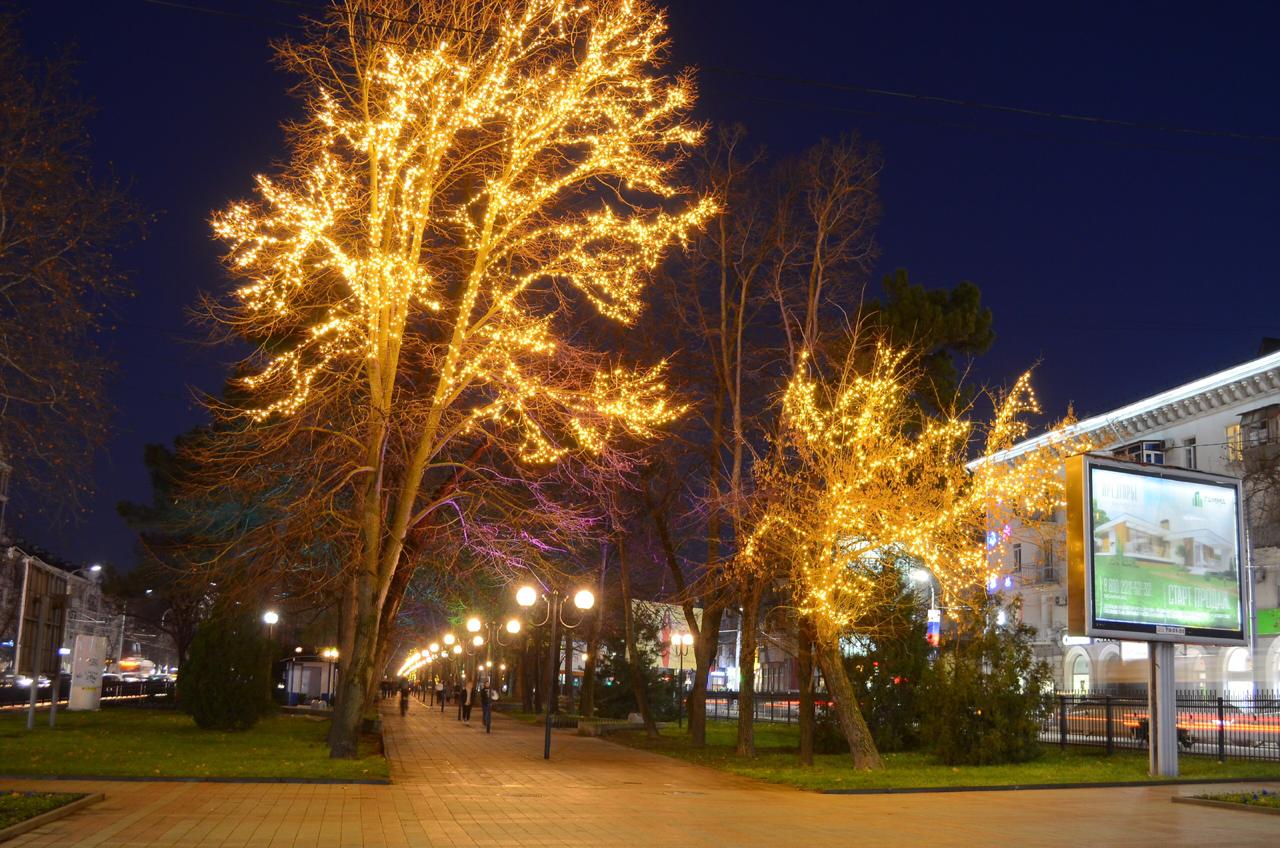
1155 553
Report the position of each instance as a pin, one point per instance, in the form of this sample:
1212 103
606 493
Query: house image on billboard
1197 549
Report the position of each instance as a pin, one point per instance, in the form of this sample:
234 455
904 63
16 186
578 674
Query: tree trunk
704 656
588 698
352 686
526 669
751 592
804 668
568 671
536 676
861 746
633 653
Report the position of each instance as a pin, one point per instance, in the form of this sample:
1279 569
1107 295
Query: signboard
1155 554
40 626
1269 622
87 662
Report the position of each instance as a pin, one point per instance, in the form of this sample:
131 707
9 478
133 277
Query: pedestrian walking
468 701
487 696
439 692
444 695
405 690
457 696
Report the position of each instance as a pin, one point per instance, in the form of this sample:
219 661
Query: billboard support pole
35 662
1162 712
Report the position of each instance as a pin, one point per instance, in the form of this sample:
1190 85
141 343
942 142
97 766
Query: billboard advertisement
1155 553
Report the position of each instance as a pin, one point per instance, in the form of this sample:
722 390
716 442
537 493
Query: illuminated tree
467 177
860 482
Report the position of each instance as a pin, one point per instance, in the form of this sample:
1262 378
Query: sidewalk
455 786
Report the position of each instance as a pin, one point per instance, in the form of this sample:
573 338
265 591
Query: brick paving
455 786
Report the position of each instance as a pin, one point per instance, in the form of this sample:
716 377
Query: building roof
1233 385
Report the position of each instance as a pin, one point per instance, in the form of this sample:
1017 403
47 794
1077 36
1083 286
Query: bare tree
59 225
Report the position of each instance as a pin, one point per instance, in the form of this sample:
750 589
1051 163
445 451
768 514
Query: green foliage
615 693
888 680
986 694
941 323
226 681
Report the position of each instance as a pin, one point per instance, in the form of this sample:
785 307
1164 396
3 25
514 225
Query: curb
1210 802
1120 784
53 815
334 781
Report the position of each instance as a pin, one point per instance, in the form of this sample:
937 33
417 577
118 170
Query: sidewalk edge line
334 781
1025 787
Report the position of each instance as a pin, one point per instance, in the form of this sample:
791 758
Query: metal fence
1228 727
781 707
151 692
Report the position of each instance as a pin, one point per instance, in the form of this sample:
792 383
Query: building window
1260 427
1017 556
1235 443
1150 452
1189 451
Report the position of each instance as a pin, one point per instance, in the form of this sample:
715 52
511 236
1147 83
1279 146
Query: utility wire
978 105
992 107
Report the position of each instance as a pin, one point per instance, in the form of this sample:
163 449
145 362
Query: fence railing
114 692
781 707
1228 727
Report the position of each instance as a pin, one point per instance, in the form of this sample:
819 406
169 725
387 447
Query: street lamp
527 596
681 642
271 617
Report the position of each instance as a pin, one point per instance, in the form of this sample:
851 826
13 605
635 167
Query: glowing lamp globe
435 647
513 626
271 616
457 649
584 600
473 625
526 596
478 640
449 639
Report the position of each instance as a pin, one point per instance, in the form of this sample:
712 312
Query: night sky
1125 260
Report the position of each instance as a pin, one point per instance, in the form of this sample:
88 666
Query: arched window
1239 676
1080 674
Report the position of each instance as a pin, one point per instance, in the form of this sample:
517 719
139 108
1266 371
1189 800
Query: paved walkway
455 786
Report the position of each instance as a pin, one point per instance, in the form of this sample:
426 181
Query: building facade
1227 423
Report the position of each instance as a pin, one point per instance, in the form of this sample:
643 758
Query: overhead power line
786 79
993 107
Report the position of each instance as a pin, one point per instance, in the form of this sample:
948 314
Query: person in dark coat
469 695
487 697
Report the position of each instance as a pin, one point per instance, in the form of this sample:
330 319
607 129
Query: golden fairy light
443 203
861 483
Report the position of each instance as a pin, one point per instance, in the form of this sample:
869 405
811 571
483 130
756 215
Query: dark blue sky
1125 260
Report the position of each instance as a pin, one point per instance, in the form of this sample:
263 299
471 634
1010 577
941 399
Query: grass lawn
19 806
776 746
165 743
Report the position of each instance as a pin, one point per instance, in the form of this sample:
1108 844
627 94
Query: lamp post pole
553 603
526 597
